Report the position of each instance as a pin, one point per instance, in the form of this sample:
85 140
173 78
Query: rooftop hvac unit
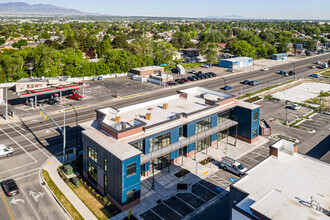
219 98
117 119
123 125
165 106
202 95
148 116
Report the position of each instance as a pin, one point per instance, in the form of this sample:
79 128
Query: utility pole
64 135
6 101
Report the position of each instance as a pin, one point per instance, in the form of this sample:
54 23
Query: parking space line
20 146
27 176
19 174
172 209
207 188
184 202
31 205
197 196
156 213
18 167
7 207
29 141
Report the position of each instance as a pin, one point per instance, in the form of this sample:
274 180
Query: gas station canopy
51 89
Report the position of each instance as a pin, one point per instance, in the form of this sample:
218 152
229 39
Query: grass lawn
60 196
95 206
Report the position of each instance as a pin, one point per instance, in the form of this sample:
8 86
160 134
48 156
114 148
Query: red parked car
75 96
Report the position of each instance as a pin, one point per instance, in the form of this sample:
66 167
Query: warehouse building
280 56
123 144
236 62
148 70
286 185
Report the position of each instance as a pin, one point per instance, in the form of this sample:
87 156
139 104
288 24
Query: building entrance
203 144
161 162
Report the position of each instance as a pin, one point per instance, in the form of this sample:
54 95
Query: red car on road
75 96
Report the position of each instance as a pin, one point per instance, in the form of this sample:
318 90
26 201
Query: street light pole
64 135
6 101
286 115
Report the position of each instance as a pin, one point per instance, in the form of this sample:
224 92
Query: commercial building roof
237 59
121 150
43 79
147 68
282 187
176 106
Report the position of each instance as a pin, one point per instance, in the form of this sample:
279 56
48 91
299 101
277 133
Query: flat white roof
121 150
237 59
176 105
297 177
286 208
147 68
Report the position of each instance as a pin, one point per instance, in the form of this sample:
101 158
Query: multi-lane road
36 140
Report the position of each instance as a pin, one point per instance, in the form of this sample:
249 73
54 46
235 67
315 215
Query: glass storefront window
203 144
223 116
160 141
222 135
161 162
203 125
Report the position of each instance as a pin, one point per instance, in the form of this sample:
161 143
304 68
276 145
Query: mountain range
24 9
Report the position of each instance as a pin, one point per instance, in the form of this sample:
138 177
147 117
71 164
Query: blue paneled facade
120 180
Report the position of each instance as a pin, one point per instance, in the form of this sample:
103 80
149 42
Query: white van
5 151
232 165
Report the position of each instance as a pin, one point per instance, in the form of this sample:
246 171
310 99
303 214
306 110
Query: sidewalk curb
46 184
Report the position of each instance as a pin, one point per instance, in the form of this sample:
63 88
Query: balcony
186 141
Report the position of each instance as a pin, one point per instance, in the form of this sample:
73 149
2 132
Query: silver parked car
232 165
5 151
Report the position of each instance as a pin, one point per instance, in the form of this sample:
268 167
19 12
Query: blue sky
277 9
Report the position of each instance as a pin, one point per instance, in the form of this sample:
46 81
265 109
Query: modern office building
121 145
286 185
280 56
236 62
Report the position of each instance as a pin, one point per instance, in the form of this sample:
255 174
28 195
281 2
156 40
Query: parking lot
201 192
317 122
278 110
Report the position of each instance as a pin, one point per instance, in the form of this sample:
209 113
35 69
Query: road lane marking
29 141
20 146
27 176
7 207
18 167
31 205
19 174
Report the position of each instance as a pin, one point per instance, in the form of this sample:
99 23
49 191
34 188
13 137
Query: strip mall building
121 145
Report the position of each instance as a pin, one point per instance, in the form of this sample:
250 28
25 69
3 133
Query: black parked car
52 101
206 75
172 83
9 187
180 81
213 74
190 78
200 72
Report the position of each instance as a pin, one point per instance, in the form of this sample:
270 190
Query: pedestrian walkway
51 167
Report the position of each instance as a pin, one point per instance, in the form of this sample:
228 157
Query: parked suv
52 101
232 165
9 187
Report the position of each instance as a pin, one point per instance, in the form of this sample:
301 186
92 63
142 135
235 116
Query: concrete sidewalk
51 167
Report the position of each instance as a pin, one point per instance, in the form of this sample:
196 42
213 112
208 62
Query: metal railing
186 141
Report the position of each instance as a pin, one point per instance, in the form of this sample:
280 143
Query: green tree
20 43
2 41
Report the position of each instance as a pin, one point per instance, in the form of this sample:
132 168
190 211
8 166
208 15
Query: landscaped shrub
181 173
205 161
68 169
75 181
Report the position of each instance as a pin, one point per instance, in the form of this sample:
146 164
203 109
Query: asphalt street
35 140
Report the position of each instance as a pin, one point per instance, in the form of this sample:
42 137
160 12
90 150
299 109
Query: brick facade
191 153
248 140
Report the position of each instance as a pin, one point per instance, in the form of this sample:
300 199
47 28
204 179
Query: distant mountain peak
22 8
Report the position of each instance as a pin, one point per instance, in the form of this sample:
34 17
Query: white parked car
5 151
265 69
296 106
